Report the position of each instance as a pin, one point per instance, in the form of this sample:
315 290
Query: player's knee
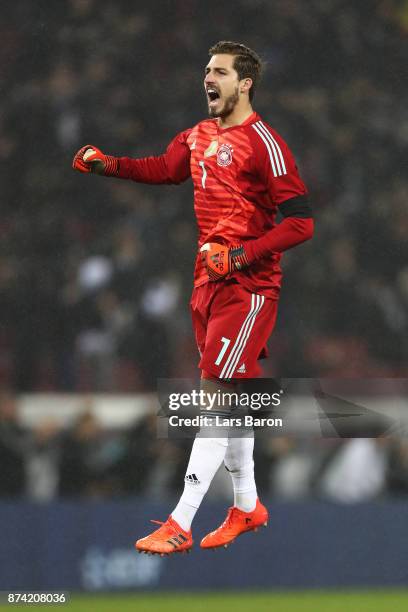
235 467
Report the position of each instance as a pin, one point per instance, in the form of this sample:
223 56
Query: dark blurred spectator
397 473
13 448
90 460
153 466
42 462
141 455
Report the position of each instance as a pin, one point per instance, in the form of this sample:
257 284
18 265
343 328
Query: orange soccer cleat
169 538
237 522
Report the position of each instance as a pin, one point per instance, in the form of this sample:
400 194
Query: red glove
221 260
91 159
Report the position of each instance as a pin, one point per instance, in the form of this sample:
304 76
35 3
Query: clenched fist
91 159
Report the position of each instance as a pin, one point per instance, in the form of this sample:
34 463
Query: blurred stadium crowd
95 274
87 460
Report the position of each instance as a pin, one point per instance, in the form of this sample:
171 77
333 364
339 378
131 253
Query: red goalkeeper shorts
232 326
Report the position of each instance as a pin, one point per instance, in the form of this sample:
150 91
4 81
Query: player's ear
246 85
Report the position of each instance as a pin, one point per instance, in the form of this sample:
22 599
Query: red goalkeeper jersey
241 175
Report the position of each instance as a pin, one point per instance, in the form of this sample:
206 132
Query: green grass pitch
301 601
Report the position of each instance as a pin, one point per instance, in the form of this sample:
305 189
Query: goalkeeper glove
91 159
221 260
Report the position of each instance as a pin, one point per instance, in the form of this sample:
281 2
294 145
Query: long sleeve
278 171
287 234
173 167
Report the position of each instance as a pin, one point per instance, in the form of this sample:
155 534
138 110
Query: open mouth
213 96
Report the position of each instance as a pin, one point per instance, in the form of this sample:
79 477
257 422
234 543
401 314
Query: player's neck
238 116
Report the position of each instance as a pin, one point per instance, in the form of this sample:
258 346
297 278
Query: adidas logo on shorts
241 369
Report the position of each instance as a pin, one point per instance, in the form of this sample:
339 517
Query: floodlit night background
96 275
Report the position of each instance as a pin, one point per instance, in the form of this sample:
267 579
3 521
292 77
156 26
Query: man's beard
228 106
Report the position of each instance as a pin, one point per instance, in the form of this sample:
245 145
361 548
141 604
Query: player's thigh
237 331
200 307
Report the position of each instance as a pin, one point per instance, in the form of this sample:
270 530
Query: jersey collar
251 119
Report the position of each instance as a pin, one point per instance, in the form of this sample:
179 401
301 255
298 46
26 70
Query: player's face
221 85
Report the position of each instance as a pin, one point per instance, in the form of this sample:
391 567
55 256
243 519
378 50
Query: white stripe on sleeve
272 139
268 146
274 150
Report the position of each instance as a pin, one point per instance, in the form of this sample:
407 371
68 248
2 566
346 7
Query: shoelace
165 524
230 516
162 524
172 533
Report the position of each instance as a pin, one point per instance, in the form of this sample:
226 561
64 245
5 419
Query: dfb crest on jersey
224 155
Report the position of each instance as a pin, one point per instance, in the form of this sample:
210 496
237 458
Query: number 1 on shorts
226 342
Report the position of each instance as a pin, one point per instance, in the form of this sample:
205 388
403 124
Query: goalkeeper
243 174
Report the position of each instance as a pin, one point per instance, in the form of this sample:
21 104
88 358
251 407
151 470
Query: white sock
240 464
207 454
